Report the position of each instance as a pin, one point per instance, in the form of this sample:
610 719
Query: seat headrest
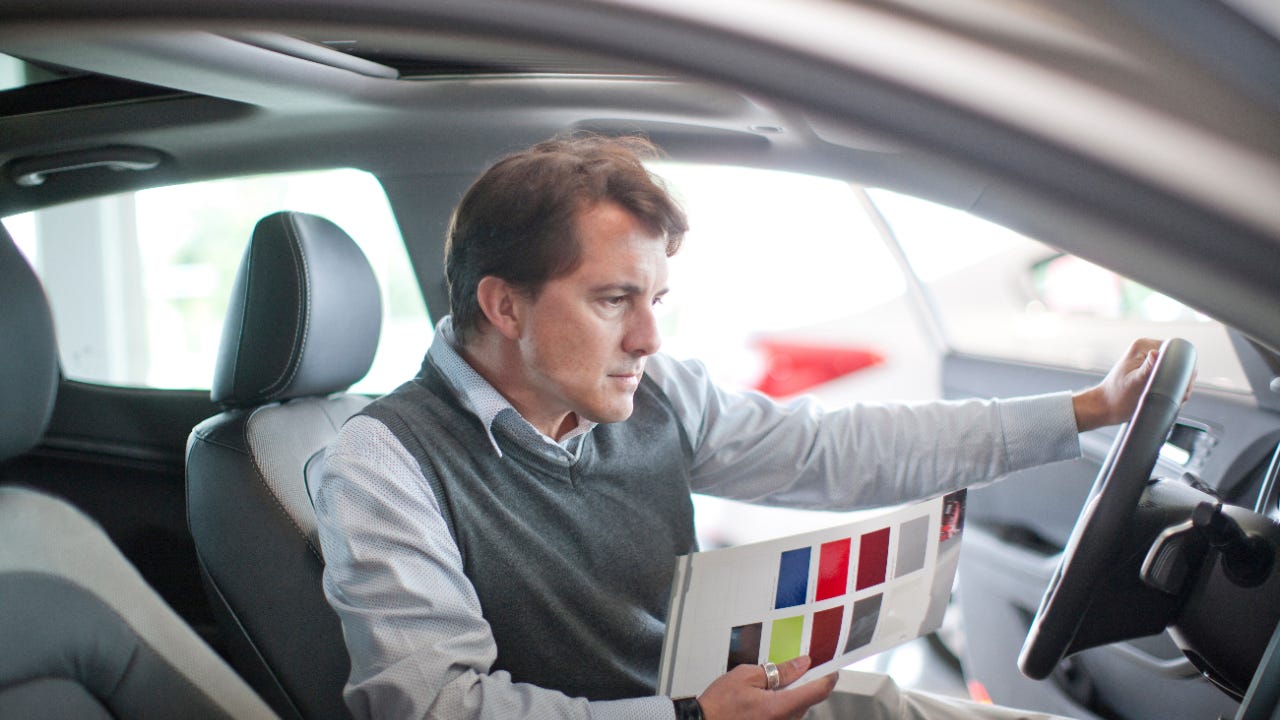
28 354
304 315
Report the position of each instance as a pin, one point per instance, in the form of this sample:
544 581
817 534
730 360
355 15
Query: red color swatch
873 555
826 634
833 569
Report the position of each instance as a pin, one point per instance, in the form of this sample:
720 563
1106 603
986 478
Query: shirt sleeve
746 446
419 645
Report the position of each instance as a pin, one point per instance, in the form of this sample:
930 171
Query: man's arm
749 447
419 645
796 454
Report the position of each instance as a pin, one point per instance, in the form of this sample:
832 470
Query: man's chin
615 414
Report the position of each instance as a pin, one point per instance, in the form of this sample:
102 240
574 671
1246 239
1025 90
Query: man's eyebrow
621 288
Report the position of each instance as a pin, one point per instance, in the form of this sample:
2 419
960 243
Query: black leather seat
301 328
81 633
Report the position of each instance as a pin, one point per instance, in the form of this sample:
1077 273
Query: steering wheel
1112 500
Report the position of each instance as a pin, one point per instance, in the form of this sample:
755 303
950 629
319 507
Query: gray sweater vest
572 562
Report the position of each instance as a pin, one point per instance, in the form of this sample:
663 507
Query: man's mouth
632 376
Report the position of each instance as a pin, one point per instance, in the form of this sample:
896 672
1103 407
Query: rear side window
139 282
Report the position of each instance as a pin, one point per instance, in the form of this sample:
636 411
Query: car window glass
784 285
1001 294
773 262
139 282
1068 284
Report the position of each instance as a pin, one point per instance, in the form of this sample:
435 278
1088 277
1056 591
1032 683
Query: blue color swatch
793 578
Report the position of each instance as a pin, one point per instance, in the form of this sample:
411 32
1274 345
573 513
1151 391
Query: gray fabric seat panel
284 438
50 699
75 608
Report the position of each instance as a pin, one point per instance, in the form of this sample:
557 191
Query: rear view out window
139 282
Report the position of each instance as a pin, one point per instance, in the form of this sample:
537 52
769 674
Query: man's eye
615 301
658 300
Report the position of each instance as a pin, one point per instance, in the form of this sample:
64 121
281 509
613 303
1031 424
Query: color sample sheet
838 595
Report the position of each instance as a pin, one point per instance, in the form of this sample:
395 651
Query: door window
1001 294
784 285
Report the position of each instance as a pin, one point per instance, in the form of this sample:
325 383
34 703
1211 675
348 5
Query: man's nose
642 336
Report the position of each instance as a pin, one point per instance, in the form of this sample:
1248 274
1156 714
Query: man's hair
518 221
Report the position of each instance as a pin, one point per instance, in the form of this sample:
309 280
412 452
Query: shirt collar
482 399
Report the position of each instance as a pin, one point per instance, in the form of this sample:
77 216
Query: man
499 533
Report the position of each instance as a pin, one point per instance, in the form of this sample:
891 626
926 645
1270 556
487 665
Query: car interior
83 634
1136 582
301 330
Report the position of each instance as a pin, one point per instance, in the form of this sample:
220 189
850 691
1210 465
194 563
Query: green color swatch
784 639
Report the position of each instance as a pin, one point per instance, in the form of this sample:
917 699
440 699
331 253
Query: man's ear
501 304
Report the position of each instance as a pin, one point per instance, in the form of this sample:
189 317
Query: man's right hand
743 694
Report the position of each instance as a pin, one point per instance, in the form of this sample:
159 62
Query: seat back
81 633
302 327
28 354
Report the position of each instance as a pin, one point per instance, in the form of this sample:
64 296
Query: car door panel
1016 529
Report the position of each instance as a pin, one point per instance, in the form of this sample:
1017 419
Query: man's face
584 338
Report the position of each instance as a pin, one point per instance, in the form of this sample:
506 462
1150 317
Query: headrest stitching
304 293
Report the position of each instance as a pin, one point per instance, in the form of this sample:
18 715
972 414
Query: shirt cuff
1039 429
658 707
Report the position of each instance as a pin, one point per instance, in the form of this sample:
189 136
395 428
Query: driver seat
302 327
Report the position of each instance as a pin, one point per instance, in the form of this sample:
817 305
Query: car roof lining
936 149
463 120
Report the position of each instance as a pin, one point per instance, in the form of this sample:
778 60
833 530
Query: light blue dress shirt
420 646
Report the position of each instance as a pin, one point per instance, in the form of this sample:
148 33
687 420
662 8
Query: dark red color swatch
826 633
873 555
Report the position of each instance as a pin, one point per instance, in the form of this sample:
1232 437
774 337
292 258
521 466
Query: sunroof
27 87
455 55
